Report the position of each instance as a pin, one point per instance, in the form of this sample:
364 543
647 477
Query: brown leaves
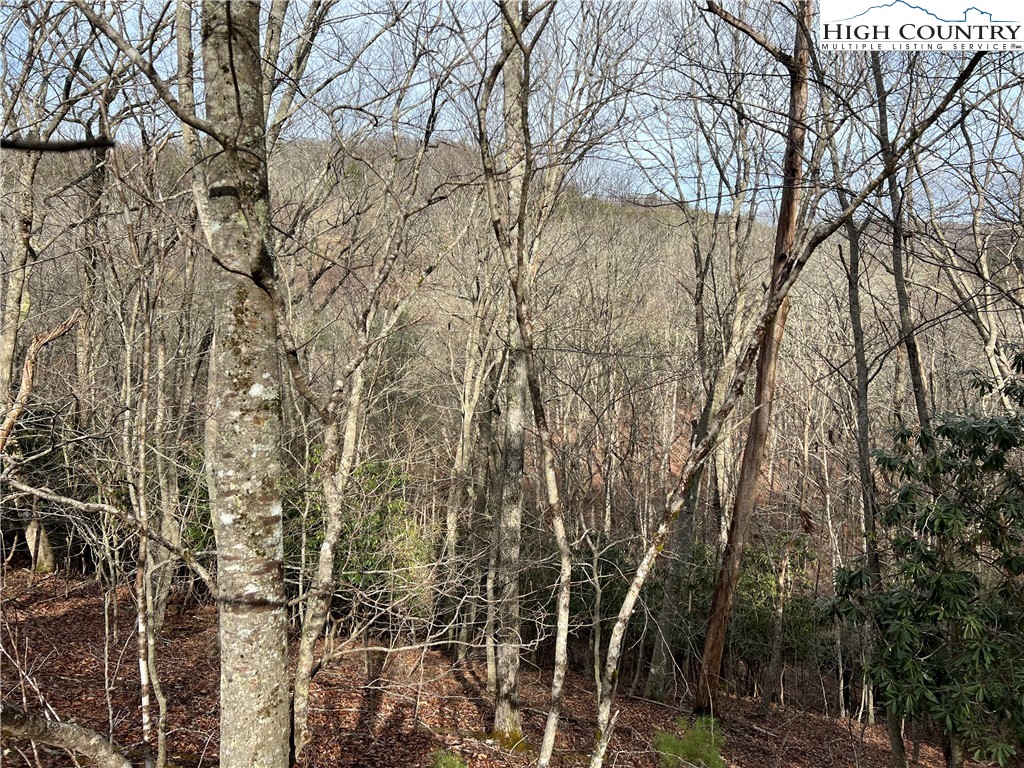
396 716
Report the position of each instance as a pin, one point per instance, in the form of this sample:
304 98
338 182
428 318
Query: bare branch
780 55
39 341
17 724
87 506
162 89
39 145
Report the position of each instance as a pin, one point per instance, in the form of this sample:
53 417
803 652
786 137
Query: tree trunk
507 638
43 560
336 467
764 392
164 560
773 679
243 429
908 334
867 482
952 750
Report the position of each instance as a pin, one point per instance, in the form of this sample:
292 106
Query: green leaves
699 745
950 608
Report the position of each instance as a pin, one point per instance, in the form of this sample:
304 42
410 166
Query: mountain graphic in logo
971 15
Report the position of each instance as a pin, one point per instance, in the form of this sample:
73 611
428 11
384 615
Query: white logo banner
921 25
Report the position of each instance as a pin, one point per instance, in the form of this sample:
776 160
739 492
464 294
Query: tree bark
764 392
507 629
243 428
16 724
507 637
952 750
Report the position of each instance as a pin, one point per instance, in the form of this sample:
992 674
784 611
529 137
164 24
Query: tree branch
17 724
86 506
780 55
41 145
39 341
162 89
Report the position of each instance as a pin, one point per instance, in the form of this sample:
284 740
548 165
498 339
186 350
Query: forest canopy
640 349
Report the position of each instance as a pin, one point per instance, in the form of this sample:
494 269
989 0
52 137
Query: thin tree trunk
764 392
16 298
908 334
867 483
490 648
476 375
336 467
773 679
836 562
481 492
557 514
164 561
138 479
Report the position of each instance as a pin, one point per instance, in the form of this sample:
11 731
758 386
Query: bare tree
796 65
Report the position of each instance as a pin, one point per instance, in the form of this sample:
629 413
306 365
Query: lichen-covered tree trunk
243 428
507 639
508 534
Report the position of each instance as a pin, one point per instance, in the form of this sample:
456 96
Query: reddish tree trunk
764 393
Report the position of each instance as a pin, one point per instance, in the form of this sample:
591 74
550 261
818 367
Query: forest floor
54 630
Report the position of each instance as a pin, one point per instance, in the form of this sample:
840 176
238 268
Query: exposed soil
364 715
